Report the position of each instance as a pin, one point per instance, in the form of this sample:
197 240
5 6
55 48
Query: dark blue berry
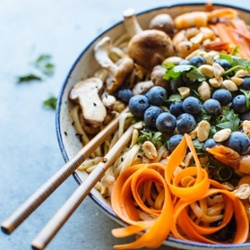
224 96
239 142
124 95
246 83
212 107
166 122
239 104
225 64
175 84
174 141
197 61
150 116
245 116
192 105
137 105
176 108
157 95
185 123
209 143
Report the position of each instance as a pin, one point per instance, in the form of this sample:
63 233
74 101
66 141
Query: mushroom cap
163 22
150 47
86 93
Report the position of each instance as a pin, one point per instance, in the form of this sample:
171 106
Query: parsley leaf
28 78
50 103
195 75
175 71
228 119
44 64
154 137
236 62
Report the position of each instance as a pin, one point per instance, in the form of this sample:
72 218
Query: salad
186 82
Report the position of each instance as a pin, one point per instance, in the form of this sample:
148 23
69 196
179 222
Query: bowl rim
169 241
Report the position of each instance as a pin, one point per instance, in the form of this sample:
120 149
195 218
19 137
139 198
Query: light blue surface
29 153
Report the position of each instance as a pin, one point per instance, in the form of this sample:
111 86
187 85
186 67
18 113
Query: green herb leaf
50 103
154 137
247 95
236 62
199 146
228 120
177 71
195 75
28 78
44 64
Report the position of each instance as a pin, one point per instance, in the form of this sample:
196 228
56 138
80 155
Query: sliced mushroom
150 47
163 22
87 94
119 71
130 21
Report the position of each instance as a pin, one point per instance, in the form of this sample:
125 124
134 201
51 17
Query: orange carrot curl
158 200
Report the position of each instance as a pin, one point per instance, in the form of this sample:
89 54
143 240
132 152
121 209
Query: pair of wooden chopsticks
53 226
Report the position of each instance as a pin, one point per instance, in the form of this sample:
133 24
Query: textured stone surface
29 153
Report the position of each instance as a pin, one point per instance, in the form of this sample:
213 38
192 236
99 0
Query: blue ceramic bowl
83 67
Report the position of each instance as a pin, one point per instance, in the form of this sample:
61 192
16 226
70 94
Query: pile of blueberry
181 116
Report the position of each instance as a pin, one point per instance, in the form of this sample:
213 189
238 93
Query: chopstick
62 215
24 210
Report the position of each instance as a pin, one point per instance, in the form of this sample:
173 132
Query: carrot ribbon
166 196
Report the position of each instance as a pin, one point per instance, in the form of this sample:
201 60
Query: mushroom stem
102 49
117 72
131 23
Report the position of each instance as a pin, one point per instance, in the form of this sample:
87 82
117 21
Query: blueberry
187 81
175 84
150 116
176 108
197 61
184 62
185 123
174 141
239 104
209 143
157 95
239 142
192 105
225 64
224 96
124 95
212 106
246 83
166 122
245 116
137 105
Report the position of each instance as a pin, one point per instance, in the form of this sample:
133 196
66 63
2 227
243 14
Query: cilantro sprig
40 68
176 71
154 137
236 63
228 119
50 103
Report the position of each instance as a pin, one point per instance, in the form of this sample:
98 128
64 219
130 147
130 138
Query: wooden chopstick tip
7 228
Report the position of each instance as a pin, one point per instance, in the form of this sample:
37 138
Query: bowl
84 67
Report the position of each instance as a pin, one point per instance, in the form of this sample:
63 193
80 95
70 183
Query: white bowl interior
84 67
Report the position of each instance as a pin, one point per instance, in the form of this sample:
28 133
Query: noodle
186 173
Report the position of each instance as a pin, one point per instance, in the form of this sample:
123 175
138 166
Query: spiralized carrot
175 202
233 34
